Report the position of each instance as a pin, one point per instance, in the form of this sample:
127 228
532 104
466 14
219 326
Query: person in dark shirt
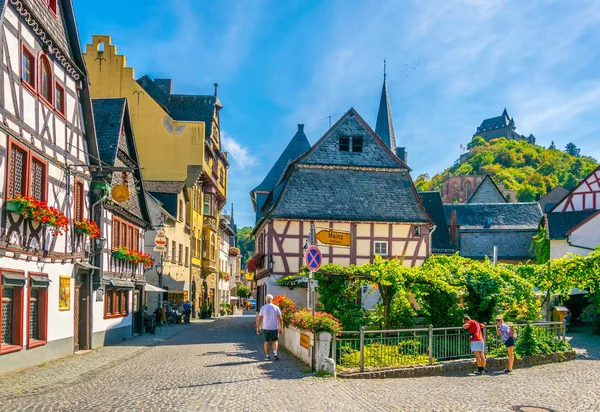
477 343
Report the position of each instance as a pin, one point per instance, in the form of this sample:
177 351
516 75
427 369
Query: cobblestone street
217 365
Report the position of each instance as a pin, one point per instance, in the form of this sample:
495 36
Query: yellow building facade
178 139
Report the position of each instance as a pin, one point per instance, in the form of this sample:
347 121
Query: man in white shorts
270 321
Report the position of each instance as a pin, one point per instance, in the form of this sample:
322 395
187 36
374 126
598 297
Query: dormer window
357 144
52 5
344 144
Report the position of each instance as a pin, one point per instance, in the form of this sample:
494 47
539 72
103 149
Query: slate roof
550 199
346 195
498 122
487 192
108 117
504 216
295 148
559 223
156 186
53 24
384 127
440 239
375 152
181 107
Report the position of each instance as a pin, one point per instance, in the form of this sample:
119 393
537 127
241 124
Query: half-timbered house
118 305
350 180
47 143
572 224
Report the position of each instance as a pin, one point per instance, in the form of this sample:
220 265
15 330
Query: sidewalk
75 368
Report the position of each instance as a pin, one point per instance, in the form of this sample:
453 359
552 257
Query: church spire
384 126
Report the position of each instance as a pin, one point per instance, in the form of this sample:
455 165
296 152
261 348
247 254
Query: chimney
453 228
402 154
165 85
300 128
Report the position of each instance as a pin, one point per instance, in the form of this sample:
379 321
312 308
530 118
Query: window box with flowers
256 262
87 227
39 211
133 256
234 251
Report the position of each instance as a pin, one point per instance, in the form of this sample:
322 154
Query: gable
585 196
586 234
374 151
487 192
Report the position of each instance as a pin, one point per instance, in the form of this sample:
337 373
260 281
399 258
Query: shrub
323 321
536 341
380 355
286 305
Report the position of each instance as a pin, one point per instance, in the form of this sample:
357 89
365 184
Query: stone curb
461 365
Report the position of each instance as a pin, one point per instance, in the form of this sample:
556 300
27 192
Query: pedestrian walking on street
270 321
248 304
187 310
507 333
477 343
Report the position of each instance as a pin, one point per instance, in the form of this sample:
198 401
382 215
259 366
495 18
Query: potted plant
234 251
87 227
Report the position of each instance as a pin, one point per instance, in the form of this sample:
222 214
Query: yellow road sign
335 238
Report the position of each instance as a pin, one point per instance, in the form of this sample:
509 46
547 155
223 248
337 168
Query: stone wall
457 366
510 244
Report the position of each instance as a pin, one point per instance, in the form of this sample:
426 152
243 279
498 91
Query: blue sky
451 63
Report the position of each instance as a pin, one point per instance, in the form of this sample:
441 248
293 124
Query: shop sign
160 241
64 293
304 340
249 276
120 193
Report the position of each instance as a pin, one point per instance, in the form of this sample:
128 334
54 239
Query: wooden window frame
31 85
357 146
344 146
187 256
381 242
78 199
29 158
173 251
38 159
124 293
180 255
43 59
61 110
17 316
416 231
43 315
128 235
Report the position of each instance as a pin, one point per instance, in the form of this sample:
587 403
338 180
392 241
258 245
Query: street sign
313 258
160 241
335 238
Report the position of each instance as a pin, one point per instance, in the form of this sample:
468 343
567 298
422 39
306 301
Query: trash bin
150 324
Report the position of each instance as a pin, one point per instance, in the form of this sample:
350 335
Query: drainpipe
97 262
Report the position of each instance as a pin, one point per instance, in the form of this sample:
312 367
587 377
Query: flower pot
117 255
12 206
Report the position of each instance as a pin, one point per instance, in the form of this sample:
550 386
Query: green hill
528 169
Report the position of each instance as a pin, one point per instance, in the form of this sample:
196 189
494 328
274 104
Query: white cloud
240 153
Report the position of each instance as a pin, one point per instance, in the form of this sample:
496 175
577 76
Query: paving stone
218 365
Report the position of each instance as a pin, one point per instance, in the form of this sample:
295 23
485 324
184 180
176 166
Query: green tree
552 146
571 149
243 291
477 141
245 243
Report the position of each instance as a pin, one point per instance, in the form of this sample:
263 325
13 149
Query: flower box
133 256
39 211
87 227
234 251
13 206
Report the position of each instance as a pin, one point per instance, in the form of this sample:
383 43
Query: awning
86 265
152 288
37 281
13 279
233 298
123 284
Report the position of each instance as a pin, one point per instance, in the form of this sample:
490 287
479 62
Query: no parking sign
313 258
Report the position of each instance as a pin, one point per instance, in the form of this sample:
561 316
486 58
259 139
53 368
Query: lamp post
159 271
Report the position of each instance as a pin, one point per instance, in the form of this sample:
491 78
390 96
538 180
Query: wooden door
76 320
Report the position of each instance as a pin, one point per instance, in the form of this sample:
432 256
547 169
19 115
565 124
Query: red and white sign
160 241
313 258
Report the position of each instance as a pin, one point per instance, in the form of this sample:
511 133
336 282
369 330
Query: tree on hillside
552 146
476 142
245 243
573 150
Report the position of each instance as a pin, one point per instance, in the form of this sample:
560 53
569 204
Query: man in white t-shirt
270 321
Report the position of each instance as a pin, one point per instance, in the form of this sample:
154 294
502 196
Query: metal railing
403 347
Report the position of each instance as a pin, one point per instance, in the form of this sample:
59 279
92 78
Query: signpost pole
312 299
